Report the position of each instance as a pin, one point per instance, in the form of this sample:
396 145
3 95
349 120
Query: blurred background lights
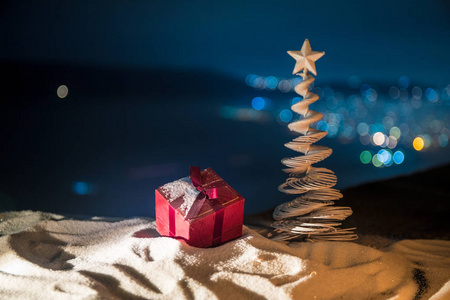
81 188
322 125
250 80
426 140
391 142
403 82
376 162
365 157
295 100
395 132
431 94
378 138
364 87
356 114
286 115
385 141
255 81
404 95
384 156
258 103
388 122
394 92
332 130
418 143
284 86
443 140
295 81
362 128
398 157
271 82
417 92
62 91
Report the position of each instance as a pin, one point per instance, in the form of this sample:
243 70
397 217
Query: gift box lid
184 188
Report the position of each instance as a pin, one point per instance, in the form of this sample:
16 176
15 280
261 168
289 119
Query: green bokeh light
376 162
365 157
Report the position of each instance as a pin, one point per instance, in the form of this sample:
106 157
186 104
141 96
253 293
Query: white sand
44 256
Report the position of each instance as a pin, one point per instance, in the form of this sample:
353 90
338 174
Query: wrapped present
202 209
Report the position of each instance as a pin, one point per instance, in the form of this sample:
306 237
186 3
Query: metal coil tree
311 215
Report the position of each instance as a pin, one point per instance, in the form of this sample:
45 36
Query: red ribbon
208 191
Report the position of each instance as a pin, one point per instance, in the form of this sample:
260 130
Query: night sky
370 39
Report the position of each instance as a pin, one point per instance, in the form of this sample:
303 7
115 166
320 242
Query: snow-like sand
45 256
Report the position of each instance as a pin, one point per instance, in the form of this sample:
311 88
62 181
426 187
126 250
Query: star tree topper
305 58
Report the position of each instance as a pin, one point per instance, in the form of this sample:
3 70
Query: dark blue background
149 81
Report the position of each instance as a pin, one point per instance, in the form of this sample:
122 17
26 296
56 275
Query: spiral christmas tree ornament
311 215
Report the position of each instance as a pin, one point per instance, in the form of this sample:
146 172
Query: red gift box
202 209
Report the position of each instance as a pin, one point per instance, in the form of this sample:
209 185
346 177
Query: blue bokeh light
430 94
286 115
250 80
81 188
443 140
295 100
271 82
404 82
399 157
364 87
258 103
384 156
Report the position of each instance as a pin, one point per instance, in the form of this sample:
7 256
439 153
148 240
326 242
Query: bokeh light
284 86
384 156
398 157
403 82
258 103
417 92
378 138
285 115
395 132
443 140
394 92
365 157
362 128
81 188
295 100
426 140
391 142
250 80
62 91
370 97
322 125
416 119
271 82
418 143
376 162
431 94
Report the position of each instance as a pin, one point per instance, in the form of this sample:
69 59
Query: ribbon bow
207 192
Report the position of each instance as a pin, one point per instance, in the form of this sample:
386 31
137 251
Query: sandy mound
44 256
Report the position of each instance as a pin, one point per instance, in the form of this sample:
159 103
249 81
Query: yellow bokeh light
62 91
395 132
418 143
